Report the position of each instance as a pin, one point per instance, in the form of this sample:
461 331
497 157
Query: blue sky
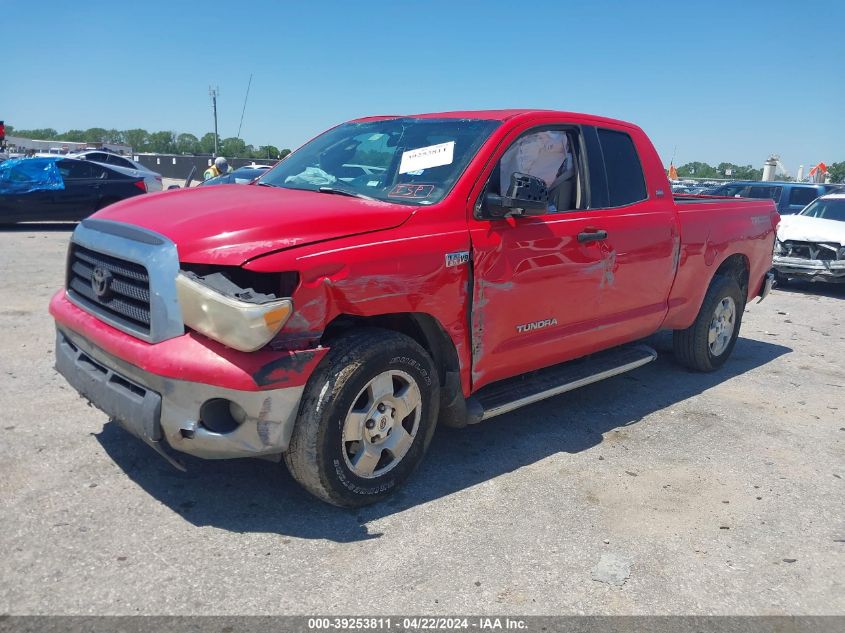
728 81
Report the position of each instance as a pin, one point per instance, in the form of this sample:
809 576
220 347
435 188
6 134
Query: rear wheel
709 341
367 416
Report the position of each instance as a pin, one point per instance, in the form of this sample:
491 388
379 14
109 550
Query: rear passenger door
640 240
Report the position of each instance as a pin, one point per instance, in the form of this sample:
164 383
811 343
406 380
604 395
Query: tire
694 347
333 454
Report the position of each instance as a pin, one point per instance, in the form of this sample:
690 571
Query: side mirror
526 195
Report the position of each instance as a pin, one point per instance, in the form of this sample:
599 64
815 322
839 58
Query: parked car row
790 197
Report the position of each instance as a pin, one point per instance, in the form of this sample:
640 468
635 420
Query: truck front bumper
810 269
160 410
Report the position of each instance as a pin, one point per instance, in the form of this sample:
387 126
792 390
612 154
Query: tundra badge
536 325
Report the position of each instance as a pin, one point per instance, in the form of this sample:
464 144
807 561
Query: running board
506 395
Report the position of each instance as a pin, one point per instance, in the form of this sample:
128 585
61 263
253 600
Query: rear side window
802 195
120 162
625 180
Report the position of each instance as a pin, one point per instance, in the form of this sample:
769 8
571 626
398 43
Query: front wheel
709 341
366 419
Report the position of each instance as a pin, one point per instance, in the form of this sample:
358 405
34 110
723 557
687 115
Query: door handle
592 236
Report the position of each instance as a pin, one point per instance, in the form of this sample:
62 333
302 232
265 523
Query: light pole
213 92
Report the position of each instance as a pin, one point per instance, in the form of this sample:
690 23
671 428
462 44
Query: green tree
284 153
95 135
74 136
46 133
697 170
162 142
232 147
747 172
114 136
837 171
266 151
187 144
137 139
207 143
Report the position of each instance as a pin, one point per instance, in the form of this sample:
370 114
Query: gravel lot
657 492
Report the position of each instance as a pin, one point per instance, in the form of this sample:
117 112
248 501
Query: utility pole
213 92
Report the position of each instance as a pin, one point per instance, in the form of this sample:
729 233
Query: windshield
826 208
405 160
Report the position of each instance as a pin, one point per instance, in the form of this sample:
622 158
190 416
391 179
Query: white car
811 245
123 165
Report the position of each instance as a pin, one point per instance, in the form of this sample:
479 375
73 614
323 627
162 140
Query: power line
244 110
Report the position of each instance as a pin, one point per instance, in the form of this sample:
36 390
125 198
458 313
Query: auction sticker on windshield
425 157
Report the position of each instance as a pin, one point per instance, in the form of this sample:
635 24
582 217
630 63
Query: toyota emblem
101 282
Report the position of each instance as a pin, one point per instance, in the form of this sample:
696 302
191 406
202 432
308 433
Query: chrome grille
127 296
812 250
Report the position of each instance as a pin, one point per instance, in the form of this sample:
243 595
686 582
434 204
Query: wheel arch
432 337
420 326
736 266
683 313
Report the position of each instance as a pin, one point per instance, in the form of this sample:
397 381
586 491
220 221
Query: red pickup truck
393 273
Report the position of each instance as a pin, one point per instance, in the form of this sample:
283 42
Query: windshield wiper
344 192
263 184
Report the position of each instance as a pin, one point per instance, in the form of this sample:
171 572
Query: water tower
770 167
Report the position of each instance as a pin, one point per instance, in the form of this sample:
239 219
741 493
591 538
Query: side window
551 156
98 157
75 170
762 191
733 191
625 180
802 195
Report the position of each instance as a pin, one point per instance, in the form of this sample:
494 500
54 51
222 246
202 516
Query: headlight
778 247
237 324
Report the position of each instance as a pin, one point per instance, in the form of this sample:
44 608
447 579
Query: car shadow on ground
252 495
33 227
822 289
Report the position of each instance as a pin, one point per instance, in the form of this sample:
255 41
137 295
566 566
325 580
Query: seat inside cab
548 155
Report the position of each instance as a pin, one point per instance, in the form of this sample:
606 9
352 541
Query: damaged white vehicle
810 246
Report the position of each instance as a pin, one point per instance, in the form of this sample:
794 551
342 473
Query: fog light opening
221 416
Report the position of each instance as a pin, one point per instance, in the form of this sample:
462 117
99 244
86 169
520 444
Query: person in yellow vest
218 168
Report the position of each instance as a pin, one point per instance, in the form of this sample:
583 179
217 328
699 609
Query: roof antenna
244 110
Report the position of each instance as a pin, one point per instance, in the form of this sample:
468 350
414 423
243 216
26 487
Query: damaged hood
804 228
230 224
